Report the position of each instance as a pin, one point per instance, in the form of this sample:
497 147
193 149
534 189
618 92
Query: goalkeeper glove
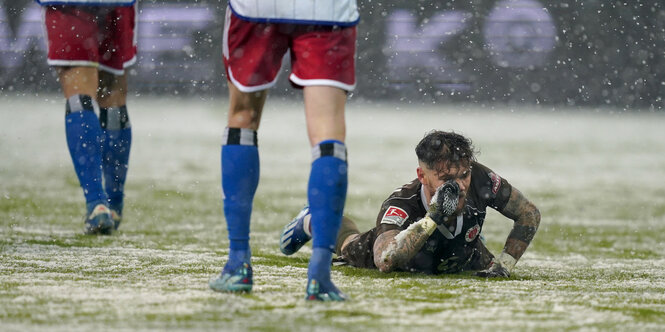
500 267
444 202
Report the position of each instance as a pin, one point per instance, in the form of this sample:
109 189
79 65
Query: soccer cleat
239 280
99 221
117 219
293 235
318 292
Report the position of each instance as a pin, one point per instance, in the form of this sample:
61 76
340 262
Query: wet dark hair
445 149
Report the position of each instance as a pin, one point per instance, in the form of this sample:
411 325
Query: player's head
444 156
445 149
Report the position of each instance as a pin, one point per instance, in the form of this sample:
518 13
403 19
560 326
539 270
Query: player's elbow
530 217
536 217
386 256
384 262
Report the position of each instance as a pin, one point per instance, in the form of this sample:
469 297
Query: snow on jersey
320 12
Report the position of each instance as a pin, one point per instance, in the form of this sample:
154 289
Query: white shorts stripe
321 82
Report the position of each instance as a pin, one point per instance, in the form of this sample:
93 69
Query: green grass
597 262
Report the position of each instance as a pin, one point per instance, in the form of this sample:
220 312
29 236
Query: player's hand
444 202
496 270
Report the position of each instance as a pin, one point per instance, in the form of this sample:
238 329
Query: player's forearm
393 249
518 240
527 220
524 229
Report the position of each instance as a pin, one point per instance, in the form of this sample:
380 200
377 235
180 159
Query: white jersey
320 12
87 2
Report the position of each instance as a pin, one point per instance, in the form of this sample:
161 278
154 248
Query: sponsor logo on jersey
472 233
394 216
496 182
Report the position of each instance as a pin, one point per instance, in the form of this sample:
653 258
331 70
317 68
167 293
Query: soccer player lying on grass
433 223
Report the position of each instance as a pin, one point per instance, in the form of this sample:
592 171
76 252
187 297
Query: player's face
433 179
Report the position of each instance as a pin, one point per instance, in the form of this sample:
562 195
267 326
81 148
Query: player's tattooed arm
394 248
527 220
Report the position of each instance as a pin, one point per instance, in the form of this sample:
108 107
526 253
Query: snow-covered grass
597 262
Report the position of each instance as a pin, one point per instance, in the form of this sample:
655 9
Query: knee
245 108
244 118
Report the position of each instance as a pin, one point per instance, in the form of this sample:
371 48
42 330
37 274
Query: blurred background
591 53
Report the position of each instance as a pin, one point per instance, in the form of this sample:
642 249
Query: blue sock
236 258
84 142
326 193
319 266
117 142
240 178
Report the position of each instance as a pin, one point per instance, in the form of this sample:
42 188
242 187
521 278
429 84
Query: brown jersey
450 248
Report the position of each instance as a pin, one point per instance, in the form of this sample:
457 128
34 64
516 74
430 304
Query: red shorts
103 37
320 55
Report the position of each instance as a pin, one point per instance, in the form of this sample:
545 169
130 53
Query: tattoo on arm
394 248
527 220
381 245
523 233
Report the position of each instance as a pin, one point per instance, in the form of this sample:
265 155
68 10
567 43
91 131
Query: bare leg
112 90
78 81
245 108
324 109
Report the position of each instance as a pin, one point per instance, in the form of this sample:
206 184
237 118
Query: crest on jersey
394 216
472 233
496 182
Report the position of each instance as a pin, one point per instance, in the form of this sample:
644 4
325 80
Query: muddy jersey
453 245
